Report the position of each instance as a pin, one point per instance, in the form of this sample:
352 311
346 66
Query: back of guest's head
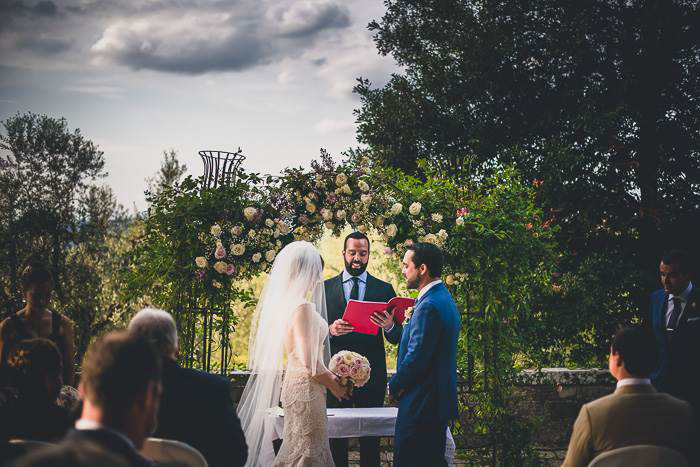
678 258
71 454
117 370
428 254
637 349
157 327
35 274
34 367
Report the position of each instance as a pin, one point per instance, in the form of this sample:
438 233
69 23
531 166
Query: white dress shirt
425 289
347 285
632 381
684 300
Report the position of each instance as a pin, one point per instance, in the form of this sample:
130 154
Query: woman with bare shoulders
36 320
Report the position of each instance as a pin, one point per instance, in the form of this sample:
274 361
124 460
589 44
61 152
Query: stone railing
553 395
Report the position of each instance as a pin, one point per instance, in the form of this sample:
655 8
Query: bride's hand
338 390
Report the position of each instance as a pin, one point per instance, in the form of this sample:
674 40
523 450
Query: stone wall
553 395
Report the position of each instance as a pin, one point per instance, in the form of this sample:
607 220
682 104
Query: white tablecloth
345 423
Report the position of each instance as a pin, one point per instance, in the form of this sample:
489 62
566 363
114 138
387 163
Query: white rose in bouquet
351 367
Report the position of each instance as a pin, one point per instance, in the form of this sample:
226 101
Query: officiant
357 284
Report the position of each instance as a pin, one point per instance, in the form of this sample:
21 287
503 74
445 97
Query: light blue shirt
348 282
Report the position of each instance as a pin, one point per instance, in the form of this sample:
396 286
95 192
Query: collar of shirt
632 381
83 424
429 286
347 276
683 296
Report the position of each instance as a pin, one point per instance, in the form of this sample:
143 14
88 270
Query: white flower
220 267
270 255
200 261
329 225
442 234
257 257
341 179
362 229
391 230
250 213
236 231
366 199
276 233
431 238
270 223
436 217
215 230
311 207
450 280
414 209
252 233
408 242
460 221
283 228
365 160
238 249
396 209
326 214
363 186
346 189
340 214
278 244
366 170
379 221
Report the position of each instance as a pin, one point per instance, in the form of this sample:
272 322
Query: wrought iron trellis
220 167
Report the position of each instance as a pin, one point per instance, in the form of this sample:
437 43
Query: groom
355 283
425 383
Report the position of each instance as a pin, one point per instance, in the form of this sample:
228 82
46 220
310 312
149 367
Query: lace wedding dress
305 434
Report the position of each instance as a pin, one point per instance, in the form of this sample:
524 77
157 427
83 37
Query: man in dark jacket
355 283
196 407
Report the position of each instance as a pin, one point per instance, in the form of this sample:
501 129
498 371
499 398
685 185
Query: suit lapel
339 295
371 289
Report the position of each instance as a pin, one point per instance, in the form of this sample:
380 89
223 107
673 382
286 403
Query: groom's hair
428 254
356 236
637 349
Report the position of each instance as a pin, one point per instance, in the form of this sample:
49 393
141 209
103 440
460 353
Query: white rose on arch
311 208
269 223
340 214
220 267
200 261
238 249
391 230
396 209
326 214
270 256
436 217
363 186
366 199
250 213
341 179
257 257
362 229
215 230
415 208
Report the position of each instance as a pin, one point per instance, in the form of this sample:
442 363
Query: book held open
357 313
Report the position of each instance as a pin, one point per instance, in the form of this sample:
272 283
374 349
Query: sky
273 77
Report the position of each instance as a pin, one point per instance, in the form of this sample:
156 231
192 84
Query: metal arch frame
220 167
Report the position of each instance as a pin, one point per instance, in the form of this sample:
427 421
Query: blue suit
426 380
678 371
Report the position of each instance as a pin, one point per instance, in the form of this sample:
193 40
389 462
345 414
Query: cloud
43 44
206 39
326 126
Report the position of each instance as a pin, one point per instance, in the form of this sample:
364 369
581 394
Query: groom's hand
340 327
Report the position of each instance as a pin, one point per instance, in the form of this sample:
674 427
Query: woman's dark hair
428 254
35 273
637 349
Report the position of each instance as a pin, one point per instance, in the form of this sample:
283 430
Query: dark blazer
112 443
678 371
426 375
372 347
634 414
196 408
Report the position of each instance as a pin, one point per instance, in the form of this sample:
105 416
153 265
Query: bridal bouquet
351 367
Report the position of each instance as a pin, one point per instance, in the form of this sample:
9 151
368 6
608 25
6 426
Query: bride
290 319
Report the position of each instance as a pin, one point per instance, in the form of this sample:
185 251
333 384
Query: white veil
295 277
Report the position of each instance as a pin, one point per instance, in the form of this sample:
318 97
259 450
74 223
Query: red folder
357 313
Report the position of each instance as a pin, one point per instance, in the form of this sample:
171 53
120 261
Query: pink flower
230 269
220 251
304 219
462 212
331 197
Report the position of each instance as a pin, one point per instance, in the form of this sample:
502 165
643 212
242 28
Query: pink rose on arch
304 219
462 212
220 251
355 218
331 197
230 269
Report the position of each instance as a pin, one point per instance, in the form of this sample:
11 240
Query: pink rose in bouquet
351 367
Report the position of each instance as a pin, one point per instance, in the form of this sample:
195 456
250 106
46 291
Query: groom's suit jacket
372 347
678 372
426 373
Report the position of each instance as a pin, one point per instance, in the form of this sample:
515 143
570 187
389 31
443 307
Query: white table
345 423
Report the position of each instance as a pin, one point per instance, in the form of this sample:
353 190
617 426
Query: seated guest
635 413
36 320
120 388
196 407
30 410
73 454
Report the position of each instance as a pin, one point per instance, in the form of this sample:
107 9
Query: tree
52 210
171 171
596 101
